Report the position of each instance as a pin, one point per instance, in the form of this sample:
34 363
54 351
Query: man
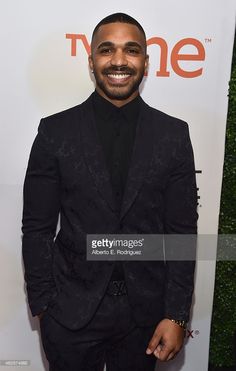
109 165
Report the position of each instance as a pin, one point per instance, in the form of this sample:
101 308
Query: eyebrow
129 43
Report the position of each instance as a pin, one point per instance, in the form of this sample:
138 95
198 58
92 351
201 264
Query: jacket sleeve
40 216
180 218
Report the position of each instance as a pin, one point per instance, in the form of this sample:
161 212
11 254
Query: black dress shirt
116 127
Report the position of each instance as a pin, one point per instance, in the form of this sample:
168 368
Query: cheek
100 64
137 65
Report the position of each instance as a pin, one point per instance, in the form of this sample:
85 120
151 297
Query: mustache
111 70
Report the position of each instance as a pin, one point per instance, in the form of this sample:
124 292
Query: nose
119 58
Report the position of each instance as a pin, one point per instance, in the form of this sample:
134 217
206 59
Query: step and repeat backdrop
44 69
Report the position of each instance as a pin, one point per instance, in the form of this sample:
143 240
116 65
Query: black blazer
67 175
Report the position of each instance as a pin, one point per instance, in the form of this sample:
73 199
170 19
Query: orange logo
175 54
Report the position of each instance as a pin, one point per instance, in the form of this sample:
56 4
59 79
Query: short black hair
119 17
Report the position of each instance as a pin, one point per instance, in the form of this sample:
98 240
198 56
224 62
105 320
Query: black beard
116 94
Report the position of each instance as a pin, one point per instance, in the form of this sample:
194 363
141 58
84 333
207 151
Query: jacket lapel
94 155
141 158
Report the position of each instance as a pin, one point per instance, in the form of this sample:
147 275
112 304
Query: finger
171 356
165 353
158 350
153 343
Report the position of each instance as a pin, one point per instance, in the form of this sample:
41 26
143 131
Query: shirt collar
106 110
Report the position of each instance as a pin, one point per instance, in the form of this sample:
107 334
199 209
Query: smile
118 77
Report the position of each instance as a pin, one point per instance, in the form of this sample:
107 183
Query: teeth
118 76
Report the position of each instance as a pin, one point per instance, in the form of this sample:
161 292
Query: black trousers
111 337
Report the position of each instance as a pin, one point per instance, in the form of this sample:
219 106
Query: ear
146 62
90 61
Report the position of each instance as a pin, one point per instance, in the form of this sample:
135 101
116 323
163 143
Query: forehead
118 33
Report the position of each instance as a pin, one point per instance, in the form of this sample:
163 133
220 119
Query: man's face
118 60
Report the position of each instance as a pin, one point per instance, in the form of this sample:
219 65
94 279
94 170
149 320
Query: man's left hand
166 341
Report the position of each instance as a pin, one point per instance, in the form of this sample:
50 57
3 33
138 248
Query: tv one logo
175 56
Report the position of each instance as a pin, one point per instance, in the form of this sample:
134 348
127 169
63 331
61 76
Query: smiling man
118 61
111 165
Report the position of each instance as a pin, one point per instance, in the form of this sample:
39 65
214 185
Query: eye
106 51
133 51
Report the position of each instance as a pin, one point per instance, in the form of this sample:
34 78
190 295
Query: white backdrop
39 76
